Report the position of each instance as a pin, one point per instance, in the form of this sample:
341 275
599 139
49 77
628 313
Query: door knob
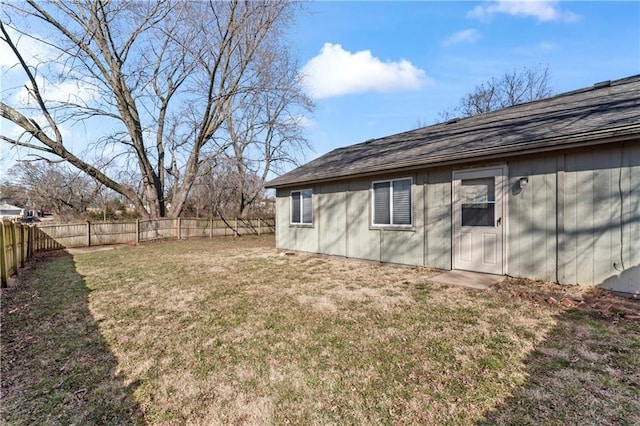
499 221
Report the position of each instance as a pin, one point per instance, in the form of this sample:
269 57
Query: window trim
301 223
373 204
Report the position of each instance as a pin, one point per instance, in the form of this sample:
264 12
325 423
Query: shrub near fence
20 241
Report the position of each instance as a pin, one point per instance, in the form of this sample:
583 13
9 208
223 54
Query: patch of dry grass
231 331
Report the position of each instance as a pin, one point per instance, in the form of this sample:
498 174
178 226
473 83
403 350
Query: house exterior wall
592 199
437 207
531 227
362 242
601 239
342 225
331 206
294 237
576 221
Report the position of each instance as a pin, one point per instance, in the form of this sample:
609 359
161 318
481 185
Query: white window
478 201
302 207
392 202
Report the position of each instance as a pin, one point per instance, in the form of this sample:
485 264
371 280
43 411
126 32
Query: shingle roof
9 207
601 113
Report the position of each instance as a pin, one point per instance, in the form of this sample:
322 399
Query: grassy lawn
231 331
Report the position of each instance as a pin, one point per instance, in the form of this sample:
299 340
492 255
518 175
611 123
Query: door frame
504 192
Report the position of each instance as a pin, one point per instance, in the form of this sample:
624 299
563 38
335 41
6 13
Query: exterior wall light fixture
523 182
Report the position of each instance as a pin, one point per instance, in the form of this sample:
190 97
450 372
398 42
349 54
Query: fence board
4 272
156 229
67 234
18 244
103 233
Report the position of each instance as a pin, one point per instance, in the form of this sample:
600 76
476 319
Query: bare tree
158 77
55 187
218 190
512 88
265 125
12 192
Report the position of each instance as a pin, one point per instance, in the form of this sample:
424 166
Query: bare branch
510 89
153 83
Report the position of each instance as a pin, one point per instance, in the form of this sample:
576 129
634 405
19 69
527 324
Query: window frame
487 202
291 203
409 225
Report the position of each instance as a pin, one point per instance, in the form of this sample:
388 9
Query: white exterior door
478 220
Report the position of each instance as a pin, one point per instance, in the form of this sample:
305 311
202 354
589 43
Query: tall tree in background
219 190
164 82
52 186
511 88
264 131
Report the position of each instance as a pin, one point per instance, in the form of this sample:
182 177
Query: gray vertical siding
284 236
402 246
292 237
597 221
362 242
406 246
630 178
342 226
438 218
330 203
576 221
531 224
602 218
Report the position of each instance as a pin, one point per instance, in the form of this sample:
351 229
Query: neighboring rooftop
10 210
604 112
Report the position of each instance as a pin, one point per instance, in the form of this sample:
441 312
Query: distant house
11 212
546 190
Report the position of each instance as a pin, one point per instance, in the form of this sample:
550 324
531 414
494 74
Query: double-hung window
392 202
302 207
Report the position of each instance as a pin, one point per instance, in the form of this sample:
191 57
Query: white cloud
304 121
545 45
467 36
40 56
32 51
543 10
73 91
300 120
336 72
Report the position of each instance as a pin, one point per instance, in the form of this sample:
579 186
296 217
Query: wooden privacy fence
18 244
20 241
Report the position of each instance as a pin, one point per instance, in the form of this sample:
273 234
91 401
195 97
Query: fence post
14 246
235 227
211 228
259 226
137 231
4 278
25 248
179 228
30 242
22 243
88 234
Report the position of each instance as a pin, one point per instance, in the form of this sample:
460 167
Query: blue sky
379 68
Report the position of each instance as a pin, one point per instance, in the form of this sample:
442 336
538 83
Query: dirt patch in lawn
603 302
